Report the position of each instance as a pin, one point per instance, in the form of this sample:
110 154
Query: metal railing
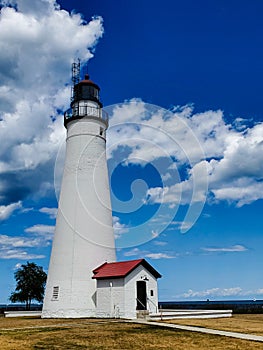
86 111
155 306
144 306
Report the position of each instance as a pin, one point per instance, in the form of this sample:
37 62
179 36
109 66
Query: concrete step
142 314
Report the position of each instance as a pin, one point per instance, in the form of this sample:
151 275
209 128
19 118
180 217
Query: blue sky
182 83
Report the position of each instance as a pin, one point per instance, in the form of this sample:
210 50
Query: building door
141 295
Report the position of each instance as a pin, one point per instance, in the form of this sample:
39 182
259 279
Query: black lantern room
86 90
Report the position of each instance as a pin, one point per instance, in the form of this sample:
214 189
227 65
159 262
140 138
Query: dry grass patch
16 322
106 334
247 323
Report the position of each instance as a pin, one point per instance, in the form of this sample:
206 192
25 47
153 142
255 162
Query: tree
30 284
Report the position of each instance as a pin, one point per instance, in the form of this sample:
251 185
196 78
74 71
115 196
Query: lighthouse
84 236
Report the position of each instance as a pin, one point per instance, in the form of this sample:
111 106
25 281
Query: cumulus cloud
38 7
35 61
52 212
118 227
241 191
151 132
206 157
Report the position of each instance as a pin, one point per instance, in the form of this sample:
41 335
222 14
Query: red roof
122 269
87 81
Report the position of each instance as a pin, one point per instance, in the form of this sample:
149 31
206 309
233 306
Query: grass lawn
35 333
247 323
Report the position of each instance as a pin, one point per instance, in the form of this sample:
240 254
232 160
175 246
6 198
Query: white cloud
147 254
17 266
133 252
37 7
19 254
213 292
52 212
234 248
152 132
7 210
156 256
19 242
35 61
44 231
200 148
118 227
40 229
180 224
26 210
242 191
12 247
166 176
221 292
151 255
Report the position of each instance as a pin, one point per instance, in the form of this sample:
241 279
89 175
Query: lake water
249 306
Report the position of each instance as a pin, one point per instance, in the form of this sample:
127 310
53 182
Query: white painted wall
84 234
117 297
110 298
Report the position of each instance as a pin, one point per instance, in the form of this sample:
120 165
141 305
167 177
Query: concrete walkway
203 330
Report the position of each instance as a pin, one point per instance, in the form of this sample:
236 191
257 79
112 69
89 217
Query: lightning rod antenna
75 76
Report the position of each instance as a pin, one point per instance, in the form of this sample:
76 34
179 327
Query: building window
55 293
151 292
101 131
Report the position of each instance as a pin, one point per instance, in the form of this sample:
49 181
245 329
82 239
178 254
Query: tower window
101 131
55 293
151 292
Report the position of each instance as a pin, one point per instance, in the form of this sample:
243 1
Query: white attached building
126 288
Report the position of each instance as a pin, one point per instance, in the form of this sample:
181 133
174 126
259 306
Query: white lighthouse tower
84 234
